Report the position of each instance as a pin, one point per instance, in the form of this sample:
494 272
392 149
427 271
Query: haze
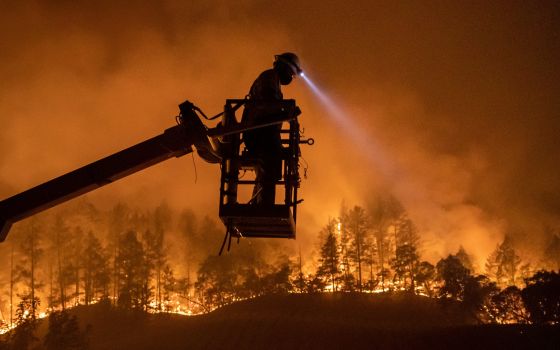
460 98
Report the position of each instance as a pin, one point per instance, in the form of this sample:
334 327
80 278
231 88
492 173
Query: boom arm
173 142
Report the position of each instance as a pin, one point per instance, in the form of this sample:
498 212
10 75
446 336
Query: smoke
460 99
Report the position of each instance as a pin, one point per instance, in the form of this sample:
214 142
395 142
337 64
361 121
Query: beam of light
361 140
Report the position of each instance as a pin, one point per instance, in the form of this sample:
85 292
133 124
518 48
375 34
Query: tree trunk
33 305
60 274
359 248
12 288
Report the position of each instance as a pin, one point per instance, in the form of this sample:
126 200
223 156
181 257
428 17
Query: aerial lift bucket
176 142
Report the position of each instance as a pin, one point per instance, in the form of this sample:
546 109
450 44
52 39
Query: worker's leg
272 172
265 145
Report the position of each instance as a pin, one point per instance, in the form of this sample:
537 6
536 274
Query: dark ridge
311 321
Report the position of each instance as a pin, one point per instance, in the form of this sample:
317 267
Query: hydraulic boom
173 142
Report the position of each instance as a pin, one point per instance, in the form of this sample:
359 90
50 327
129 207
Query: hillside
310 321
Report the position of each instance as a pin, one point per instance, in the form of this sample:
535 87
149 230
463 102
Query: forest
162 261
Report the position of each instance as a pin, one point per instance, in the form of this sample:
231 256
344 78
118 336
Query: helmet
291 60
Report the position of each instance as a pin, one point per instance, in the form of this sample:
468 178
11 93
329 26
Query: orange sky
461 98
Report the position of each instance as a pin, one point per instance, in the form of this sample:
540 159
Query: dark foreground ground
321 321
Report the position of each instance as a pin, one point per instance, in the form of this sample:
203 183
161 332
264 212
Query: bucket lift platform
251 220
218 145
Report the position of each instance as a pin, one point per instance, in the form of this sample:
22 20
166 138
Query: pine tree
384 212
119 218
59 238
503 263
300 281
406 251
64 333
73 266
13 280
465 258
24 334
30 252
130 267
356 223
453 276
168 284
425 276
95 265
406 232
155 250
405 264
345 251
329 260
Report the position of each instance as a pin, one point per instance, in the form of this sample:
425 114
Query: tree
329 260
542 297
96 271
503 263
384 212
73 265
425 275
405 264
26 309
216 280
155 250
406 232
478 291
130 272
355 223
13 280
59 237
64 333
119 218
168 284
507 307
453 275
155 260
30 252
278 280
345 251
23 335
465 259
300 281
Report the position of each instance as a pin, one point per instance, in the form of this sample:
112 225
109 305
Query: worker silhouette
265 143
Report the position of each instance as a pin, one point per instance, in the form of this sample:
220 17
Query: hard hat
291 60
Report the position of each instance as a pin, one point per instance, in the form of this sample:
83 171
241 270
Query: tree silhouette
507 307
168 284
64 333
453 275
387 215
503 263
425 275
278 280
130 272
96 271
155 250
356 225
405 264
59 238
477 294
542 297
329 260
465 258
30 252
